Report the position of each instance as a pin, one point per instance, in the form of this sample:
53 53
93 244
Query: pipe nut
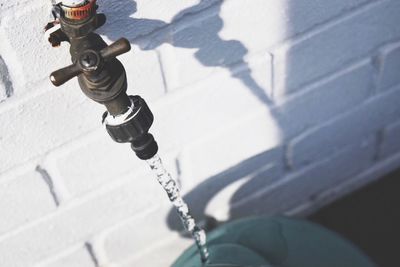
78 10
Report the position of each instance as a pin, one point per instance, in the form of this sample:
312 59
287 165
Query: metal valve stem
102 76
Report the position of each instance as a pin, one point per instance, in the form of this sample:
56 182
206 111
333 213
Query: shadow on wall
211 51
230 189
307 63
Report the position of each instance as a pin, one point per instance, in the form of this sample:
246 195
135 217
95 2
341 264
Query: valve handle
89 61
63 75
116 49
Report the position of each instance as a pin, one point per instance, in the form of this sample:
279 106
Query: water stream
172 189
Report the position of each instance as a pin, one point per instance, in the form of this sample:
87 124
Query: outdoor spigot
133 127
90 62
101 75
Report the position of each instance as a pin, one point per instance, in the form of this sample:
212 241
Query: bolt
89 60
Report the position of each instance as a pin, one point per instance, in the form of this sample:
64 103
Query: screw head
89 60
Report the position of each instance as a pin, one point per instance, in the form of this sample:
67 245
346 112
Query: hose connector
133 127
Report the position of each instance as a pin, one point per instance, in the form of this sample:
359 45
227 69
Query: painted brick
95 161
92 162
6 88
325 99
300 62
389 60
201 52
182 118
224 195
163 255
3 93
134 237
226 148
53 117
339 132
262 24
8 5
34 58
204 112
375 171
226 123
213 38
391 140
80 220
257 73
135 19
76 257
302 186
213 197
24 198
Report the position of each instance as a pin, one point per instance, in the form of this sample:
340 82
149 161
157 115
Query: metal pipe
101 75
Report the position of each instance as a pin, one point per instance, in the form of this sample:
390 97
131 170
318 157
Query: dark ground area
370 218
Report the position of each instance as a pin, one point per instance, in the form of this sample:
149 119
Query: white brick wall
77 256
261 107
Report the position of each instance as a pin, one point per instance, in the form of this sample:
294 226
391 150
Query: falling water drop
171 187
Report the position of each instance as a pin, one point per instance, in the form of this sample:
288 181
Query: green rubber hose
275 242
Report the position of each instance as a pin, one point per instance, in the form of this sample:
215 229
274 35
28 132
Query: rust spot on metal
81 12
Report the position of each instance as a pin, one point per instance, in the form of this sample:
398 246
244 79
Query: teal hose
275 242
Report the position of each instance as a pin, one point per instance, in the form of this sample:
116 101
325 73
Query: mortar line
145 38
347 187
92 253
323 26
74 203
377 64
162 69
6 79
178 177
49 181
273 71
380 138
289 177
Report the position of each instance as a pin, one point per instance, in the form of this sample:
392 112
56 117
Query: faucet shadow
247 174
211 51
182 32
199 28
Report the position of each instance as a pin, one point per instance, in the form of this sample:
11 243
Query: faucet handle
90 61
63 75
118 48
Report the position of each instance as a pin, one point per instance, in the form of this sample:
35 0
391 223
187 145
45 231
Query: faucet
101 75
102 78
